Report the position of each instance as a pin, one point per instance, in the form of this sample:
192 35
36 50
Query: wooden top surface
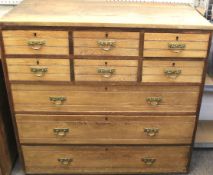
97 13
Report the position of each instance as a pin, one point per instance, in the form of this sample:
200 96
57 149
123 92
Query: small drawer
175 45
105 159
31 69
79 98
106 43
105 70
36 42
105 129
172 71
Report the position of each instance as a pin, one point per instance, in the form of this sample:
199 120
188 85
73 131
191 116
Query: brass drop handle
106 72
176 47
39 71
36 44
65 161
106 44
148 161
154 101
57 100
172 72
151 132
60 131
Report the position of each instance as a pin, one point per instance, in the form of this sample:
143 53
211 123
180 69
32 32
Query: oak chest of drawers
105 87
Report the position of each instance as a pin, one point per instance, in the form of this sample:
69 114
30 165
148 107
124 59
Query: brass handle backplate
106 44
176 46
172 72
65 161
154 101
39 71
36 44
60 131
57 100
151 132
148 161
106 72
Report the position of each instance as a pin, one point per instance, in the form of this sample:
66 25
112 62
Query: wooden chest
105 87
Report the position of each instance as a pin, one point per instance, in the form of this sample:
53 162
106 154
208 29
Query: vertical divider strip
140 60
71 56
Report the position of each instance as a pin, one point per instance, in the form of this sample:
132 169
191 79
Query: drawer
104 129
36 42
105 159
77 98
172 71
31 69
105 70
106 43
175 45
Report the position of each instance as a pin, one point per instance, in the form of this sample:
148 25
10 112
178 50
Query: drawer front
105 70
66 98
36 42
32 69
172 71
106 43
90 129
175 45
105 159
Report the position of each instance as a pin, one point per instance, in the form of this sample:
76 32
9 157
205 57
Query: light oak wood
87 70
96 13
173 37
16 42
20 69
105 159
172 53
103 98
164 45
156 45
88 129
86 43
129 36
154 71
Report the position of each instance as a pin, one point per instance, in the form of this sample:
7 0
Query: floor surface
202 163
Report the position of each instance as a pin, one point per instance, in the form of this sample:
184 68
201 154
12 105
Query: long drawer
175 45
77 98
36 42
105 70
106 43
32 69
105 159
90 129
172 71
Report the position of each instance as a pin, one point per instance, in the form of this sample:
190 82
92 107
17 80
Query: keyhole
177 38
106 63
106 35
37 62
35 34
173 64
106 118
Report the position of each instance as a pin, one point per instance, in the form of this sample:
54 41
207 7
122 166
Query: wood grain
104 98
105 159
86 70
89 129
16 42
153 71
106 14
20 69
